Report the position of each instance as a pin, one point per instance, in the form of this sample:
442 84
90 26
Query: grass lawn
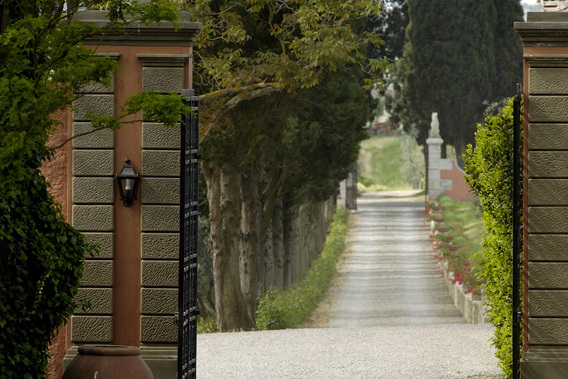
390 163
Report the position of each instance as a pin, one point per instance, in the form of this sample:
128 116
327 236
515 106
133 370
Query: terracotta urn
108 361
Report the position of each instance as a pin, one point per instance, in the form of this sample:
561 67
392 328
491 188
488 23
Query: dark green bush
289 309
40 269
490 169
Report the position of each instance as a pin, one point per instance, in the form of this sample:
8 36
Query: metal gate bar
517 209
189 196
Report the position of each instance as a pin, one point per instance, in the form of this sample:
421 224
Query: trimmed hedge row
490 169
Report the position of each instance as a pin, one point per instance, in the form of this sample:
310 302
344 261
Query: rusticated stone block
97 105
91 329
160 218
544 361
160 273
548 164
160 163
99 139
548 247
159 301
93 163
100 88
100 299
548 81
93 190
548 109
157 136
548 331
548 192
545 303
162 79
97 274
93 218
105 242
160 190
548 275
158 329
160 245
548 136
548 219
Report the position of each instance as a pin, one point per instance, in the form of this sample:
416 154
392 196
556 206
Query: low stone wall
472 309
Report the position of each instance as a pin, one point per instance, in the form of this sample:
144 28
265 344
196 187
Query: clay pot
108 361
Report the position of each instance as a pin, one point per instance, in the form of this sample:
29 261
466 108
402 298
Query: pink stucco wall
460 191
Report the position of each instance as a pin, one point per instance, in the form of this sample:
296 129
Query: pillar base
547 363
162 360
69 356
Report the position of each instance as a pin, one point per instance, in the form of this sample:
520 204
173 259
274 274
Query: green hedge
490 169
290 308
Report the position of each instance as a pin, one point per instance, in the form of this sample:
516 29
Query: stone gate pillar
545 309
436 185
132 284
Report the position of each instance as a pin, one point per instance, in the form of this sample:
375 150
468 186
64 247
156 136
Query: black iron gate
189 196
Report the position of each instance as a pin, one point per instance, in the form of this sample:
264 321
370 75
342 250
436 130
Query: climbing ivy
490 169
40 268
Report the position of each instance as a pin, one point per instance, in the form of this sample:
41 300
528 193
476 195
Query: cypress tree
458 56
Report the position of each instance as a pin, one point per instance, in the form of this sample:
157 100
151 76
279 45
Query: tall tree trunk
303 231
225 214
268 282
278 245
321 228
287 267
291 246
251 257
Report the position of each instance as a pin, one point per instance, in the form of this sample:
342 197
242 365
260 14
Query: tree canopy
458 57
273 82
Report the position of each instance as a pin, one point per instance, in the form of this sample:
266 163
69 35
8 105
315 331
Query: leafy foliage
458 56
40 268
290 308
286 44
490 169
282 109
43 68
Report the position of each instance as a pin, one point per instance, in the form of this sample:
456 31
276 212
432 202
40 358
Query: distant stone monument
435 126
554 5
444 175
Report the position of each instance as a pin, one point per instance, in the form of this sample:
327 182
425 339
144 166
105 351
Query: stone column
93 213
133 283
436 185
545 308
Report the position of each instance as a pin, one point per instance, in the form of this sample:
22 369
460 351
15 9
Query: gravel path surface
393 317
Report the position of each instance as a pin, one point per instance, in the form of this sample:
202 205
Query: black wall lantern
127 180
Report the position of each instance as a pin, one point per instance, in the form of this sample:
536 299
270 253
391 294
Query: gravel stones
393 317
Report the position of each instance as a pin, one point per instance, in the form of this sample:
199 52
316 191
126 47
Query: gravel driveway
392 318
